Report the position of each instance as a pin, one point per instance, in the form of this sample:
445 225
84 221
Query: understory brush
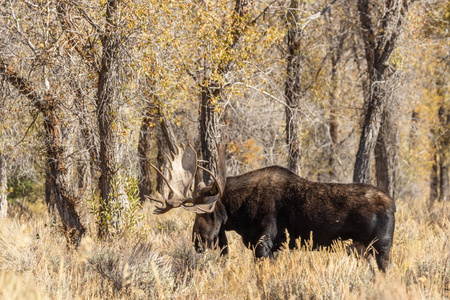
156 260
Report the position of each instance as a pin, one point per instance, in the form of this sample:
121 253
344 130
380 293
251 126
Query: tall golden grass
156 260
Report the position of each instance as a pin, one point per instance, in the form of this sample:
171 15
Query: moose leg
265 239
384 236
383 259
383 253
223 242
264 247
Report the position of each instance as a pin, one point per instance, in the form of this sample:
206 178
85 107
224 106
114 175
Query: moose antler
215 191
183 167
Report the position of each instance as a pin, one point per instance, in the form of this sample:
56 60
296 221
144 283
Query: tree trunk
146 134
3 187
107 117
336 39
107 155
209 135
413 132
386 154
434 179
333 129
444 144
56 164
292 137
292 90
64 198
160 161
85 167
210 91
375 101
154 125
167 132
336 55
166 143
377 52
86 163
368 140
49 199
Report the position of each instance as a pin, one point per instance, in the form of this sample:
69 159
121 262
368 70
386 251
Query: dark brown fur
261 205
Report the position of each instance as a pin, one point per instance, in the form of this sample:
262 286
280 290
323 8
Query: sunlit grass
157 261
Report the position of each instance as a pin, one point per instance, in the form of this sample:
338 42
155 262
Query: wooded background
336 91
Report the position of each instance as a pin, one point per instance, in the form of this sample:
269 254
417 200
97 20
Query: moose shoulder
263 204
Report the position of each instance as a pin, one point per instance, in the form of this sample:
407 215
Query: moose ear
202 190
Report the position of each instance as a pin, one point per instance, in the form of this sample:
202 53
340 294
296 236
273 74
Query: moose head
203 200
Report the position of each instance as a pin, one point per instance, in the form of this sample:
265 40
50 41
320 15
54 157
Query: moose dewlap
263 204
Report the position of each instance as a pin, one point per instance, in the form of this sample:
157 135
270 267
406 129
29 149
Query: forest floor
156 260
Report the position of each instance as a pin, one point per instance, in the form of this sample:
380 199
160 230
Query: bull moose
263 204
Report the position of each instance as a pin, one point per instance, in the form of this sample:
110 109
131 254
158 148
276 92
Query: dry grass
157 260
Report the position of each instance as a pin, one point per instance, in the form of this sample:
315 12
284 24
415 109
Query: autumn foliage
91 92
